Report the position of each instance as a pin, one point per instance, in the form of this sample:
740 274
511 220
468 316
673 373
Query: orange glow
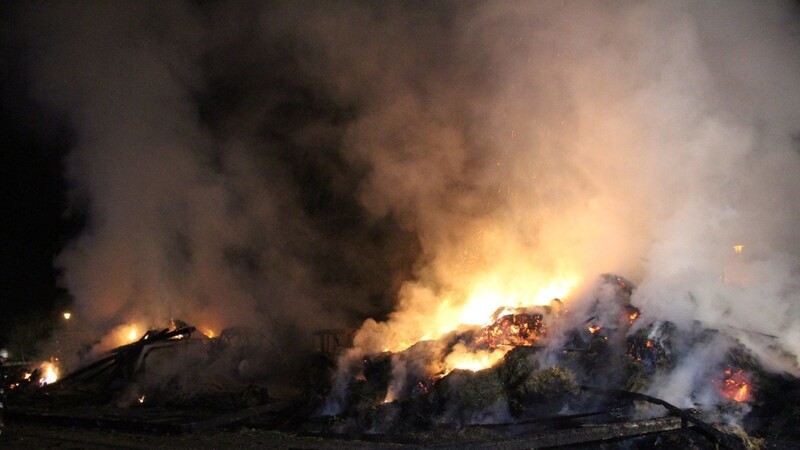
464 358
488 297
736 386
594 328
121 335
49 373
209 332
133 333
476 293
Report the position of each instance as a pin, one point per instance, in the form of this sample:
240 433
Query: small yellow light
738 249
67 315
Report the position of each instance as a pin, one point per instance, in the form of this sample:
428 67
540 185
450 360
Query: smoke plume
314 164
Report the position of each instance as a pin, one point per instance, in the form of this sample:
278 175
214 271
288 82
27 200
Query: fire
487 298
133 333
736 386
594 328
489 344
49 372
513 330
209 333
462 357
141 399
122 334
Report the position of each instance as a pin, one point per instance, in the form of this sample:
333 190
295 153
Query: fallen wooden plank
717 436
573 436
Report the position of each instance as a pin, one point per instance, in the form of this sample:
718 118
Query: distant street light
67 315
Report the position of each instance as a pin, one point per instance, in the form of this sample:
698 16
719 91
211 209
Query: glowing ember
209 333
513 330
49 373
736 386
633 314
492 342
594 328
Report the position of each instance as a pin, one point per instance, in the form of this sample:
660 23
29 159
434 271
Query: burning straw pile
543 363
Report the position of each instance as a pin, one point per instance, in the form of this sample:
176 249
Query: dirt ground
31 436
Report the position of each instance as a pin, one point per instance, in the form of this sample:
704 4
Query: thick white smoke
515 141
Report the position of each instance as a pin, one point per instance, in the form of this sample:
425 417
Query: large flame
486 298
427 314
490 268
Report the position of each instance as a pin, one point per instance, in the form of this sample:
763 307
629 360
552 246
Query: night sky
38 222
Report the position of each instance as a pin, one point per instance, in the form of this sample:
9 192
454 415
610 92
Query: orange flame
462 357
487 298
736 386
49 372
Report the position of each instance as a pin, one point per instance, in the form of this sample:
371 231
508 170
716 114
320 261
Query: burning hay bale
512 330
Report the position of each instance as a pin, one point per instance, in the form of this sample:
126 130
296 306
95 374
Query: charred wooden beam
574 436
717 436
122 358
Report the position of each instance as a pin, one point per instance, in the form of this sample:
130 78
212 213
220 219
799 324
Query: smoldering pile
557 363
176 368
